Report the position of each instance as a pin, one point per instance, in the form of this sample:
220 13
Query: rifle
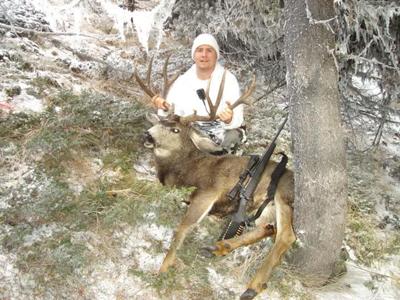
253 174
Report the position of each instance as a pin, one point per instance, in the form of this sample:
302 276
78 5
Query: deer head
169 136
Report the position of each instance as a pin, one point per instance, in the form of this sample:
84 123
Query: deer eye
175 130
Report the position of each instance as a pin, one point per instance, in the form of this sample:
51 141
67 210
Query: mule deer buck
180 163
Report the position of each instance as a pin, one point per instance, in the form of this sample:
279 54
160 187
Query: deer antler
146 86
168 83
243 99
193 118
213 107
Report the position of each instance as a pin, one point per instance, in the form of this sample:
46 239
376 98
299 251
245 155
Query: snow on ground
26 103
13 283
138 242
380 282
110 280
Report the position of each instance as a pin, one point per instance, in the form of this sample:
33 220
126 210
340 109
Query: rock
21 13
13 91
4 55
119 68
88 68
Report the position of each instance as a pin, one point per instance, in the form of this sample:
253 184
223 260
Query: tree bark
317 135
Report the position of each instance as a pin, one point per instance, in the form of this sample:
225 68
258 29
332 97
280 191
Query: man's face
205 57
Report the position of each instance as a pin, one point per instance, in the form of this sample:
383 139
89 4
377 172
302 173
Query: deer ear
202 142
152 118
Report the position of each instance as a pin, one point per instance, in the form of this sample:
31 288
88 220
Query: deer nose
148 138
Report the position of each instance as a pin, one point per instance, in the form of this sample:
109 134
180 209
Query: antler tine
167 83
209 102
148 74
171 111
243 99
214 108
143 86
192 118
146 86
165 76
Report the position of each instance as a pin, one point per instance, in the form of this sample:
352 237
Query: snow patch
40 233
138 242
12 282
27 103
365 283
223 284
112 281
144 170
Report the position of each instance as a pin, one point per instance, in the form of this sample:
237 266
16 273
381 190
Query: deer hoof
208 251
248 294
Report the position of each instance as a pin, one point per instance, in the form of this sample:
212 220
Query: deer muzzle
148 140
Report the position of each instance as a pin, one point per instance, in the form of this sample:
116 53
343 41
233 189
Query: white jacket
183 96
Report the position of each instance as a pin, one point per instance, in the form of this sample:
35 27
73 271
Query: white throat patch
162 153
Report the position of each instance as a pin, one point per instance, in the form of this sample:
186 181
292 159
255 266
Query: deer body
179 163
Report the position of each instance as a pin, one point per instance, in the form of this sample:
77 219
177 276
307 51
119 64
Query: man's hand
226 115
160 103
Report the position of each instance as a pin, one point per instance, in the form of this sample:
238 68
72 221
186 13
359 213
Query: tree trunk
319 152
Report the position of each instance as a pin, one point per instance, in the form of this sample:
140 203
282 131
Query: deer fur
179 163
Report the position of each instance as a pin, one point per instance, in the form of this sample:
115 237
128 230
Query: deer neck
180 157
178 169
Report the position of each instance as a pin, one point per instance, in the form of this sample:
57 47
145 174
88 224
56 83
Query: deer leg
200 205
224 247
285 237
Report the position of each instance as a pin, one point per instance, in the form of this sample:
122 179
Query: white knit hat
205 39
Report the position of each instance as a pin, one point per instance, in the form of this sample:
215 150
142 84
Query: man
225 133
